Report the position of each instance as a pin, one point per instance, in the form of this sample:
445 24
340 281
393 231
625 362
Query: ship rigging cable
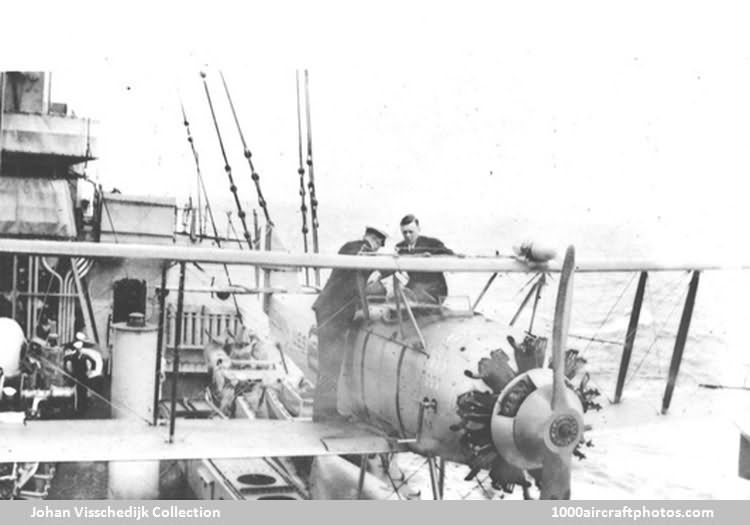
301 172
311 177
202 186
246 151
227 167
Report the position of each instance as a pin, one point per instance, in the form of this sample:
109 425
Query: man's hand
402 277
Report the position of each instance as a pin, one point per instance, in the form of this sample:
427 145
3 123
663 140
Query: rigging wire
301 173
227 167
601 325
658 333
386 468
474 487
232 235
406 480
486 493
540 284
202 186
248 155
597 339
311 177
612 309
96 186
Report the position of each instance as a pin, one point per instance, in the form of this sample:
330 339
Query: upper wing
128 440
377 262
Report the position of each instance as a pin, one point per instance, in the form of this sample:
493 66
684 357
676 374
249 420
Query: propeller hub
524 425
564 430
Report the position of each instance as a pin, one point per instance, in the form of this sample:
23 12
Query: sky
631 113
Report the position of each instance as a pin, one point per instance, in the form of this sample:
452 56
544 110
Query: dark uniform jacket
338 299
432 283
79 363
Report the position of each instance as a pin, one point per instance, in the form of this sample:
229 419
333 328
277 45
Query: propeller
532 420
564 427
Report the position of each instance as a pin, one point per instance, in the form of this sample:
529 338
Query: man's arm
90 360
433 246
351 248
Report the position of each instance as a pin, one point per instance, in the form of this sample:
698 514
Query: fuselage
388 380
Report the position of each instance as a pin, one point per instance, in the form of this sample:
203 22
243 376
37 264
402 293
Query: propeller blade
563 429
560 328
556 475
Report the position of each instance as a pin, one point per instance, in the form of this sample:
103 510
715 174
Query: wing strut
627 350
679 345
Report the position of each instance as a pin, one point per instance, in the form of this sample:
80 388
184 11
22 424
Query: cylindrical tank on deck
11 342
133 388
134 369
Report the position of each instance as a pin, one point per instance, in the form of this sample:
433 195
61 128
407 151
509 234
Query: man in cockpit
428 287
334 309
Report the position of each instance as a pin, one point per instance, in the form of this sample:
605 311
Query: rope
248 155
208 205
227 167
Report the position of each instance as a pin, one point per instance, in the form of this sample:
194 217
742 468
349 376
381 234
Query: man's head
410 228
77 346
375 237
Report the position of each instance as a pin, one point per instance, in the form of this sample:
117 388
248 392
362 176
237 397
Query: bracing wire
656 337
301 173
208 204
248 155
311 176
227 167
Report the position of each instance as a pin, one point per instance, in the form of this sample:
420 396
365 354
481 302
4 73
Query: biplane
442 383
